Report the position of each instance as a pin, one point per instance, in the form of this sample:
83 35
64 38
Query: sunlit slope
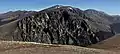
109 44
12 47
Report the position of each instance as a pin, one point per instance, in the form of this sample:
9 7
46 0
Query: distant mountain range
59 25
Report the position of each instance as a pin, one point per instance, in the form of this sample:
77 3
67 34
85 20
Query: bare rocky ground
14 47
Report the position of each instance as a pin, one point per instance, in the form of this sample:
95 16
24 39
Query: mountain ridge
61 25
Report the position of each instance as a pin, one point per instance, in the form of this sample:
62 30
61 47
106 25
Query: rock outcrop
61 25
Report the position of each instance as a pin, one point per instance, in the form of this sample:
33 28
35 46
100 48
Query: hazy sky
108 6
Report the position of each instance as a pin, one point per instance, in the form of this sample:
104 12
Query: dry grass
112 44
13 47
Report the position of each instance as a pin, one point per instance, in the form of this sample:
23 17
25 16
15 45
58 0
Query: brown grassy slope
109 44
6 30
12 47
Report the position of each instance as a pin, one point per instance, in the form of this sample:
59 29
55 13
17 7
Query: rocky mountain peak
61 25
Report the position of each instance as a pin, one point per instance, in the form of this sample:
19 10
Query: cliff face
61 25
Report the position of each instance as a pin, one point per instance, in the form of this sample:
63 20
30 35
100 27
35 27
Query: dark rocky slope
116 27
60 25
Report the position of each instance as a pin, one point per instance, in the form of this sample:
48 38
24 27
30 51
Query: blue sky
108 6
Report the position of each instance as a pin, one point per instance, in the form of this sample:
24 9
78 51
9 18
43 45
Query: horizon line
54 5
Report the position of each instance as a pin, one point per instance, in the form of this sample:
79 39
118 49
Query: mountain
98 16
59 25
115 19
108 20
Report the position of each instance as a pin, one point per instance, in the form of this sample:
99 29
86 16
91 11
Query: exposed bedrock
63 25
